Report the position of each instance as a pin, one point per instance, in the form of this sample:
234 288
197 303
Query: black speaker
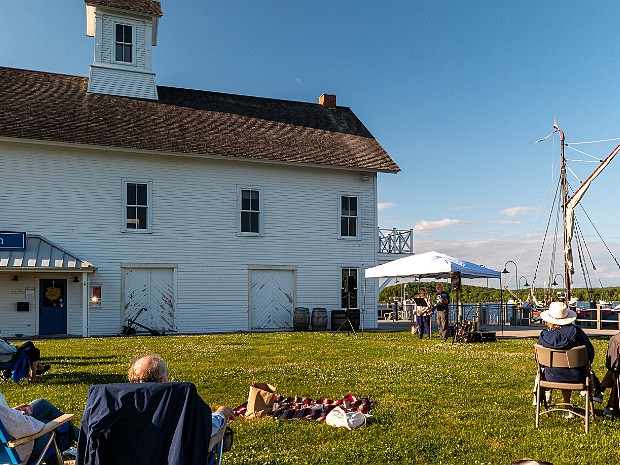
455 280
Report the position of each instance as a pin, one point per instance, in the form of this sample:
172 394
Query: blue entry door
53 306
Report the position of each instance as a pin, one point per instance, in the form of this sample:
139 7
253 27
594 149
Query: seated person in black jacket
148 421
153 369
562 334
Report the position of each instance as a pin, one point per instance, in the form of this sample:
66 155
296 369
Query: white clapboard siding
122 82
13 322
195 227
272 299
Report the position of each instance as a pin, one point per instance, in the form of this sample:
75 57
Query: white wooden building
215 212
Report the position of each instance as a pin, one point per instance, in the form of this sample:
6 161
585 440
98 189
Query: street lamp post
526 283
516 272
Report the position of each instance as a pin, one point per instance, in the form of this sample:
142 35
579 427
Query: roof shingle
54 107
139 6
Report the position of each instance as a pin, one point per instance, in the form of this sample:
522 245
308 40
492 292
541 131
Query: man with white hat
562 334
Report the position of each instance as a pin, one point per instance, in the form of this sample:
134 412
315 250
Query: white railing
396 241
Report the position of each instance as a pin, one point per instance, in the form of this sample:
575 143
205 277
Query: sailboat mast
568 206
567 233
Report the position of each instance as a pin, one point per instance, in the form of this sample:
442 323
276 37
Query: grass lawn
436 403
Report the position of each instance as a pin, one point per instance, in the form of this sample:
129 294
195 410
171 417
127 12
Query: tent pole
363 305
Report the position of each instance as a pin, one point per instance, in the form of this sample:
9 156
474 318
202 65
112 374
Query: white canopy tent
429 265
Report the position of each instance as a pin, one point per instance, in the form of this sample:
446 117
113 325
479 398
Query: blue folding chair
8 452
220 443
146 423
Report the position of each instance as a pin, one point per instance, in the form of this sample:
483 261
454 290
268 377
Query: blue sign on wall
12 241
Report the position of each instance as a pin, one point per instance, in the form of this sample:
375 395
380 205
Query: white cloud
385 205
514 211
462 207
506 222
424 227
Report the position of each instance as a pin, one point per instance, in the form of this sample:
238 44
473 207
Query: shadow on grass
83 361
82 377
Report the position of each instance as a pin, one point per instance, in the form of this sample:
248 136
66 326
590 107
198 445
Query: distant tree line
488 294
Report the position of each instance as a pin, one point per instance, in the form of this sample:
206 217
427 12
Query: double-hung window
137 206
124 43
250 212
349 217
348 290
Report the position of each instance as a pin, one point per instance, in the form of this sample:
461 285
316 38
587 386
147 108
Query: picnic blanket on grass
305 408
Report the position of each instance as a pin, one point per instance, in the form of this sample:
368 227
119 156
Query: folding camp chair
577 357
219 444
9 455
145 423
17 370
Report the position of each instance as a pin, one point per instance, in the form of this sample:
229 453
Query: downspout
84 304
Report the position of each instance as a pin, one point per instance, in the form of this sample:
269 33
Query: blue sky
454 91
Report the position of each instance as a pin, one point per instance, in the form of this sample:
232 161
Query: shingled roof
139 6
55 107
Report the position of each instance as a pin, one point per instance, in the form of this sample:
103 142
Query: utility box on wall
23 306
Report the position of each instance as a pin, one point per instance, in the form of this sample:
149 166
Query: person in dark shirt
562 334
442 299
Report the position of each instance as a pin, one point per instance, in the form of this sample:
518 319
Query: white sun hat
558 314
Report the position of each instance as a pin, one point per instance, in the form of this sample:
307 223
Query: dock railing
598 317
494 314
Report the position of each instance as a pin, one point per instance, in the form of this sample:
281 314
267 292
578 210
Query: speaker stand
349 324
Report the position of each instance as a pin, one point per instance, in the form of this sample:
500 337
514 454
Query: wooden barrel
301 319
319 319
338 317
354 316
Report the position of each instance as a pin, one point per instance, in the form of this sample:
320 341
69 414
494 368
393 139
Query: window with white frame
137 201
250 212
123 43
348 289
94 295
349 216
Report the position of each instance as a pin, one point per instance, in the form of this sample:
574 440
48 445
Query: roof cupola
125 32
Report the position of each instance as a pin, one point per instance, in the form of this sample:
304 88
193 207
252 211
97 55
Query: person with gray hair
153 369
148 369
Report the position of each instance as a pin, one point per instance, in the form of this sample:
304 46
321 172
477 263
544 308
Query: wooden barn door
152 289
271 297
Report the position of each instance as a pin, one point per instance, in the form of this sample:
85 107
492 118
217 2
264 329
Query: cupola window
124 43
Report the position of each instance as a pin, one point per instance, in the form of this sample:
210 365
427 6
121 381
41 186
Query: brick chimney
327 101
